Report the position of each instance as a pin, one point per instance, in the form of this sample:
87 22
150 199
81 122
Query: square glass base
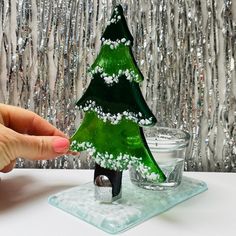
135 206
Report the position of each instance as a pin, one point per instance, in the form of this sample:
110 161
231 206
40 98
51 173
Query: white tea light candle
168 147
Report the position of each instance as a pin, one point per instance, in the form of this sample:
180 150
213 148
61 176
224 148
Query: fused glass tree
115 111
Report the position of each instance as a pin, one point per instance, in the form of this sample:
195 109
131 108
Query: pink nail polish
61 145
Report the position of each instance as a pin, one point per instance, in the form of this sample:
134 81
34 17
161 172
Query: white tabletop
24 209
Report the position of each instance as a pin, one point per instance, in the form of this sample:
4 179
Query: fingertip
42 147
61 145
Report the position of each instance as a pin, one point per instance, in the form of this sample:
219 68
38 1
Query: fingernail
61 145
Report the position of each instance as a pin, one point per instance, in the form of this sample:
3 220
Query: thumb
42 147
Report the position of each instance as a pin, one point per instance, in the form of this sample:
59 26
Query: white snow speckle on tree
115 44
112 79
121 162
115 118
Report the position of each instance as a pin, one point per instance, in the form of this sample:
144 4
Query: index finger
27 122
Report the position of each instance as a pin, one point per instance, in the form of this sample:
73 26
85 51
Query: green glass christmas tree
115 109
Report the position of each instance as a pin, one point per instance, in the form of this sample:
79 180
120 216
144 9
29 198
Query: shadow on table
19 190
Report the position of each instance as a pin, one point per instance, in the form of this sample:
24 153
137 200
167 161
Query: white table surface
24 209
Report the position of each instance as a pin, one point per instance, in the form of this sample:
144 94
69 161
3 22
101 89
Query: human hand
27 135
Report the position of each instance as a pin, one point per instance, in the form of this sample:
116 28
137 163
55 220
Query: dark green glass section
118 30
120 97
126 137
116 59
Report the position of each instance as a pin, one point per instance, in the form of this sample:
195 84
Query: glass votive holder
168 146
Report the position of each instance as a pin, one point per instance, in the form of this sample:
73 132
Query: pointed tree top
117 28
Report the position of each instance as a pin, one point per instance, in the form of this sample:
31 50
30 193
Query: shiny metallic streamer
185 49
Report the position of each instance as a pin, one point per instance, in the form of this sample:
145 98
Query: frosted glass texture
132 209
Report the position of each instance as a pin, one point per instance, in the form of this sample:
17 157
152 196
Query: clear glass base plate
135 206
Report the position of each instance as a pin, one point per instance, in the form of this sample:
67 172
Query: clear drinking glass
168 146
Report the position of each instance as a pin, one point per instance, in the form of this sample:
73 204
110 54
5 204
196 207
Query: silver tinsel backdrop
186 50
